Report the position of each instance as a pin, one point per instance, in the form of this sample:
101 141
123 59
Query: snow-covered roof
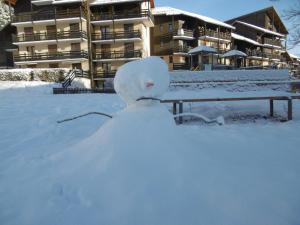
260 28
169 11
106 2
293 56
242 38
233 53
202 48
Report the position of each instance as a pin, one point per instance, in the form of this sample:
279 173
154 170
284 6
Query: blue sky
227 9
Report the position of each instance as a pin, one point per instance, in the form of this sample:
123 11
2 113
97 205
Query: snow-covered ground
245 172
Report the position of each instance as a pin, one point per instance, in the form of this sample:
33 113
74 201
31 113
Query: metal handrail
116 35
51 56
49 36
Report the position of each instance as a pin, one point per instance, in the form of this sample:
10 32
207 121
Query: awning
234 53
202 49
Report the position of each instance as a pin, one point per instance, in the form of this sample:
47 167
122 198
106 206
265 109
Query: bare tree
293 15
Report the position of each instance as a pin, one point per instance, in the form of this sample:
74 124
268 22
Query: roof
106 2
293 56
169 11
242 38
233 53
260 28
271 11
202 48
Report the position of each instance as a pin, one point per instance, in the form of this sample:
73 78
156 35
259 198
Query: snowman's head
147 77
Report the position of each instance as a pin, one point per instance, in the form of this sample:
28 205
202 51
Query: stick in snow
90 113
219 120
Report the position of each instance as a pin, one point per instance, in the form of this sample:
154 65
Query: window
161 43
170 27
76 66
74 27
75 47
128 27
161 28
53 65
170 59
52 48
30 50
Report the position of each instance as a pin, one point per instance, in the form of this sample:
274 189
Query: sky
227 9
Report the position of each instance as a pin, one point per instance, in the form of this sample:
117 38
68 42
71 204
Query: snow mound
147 77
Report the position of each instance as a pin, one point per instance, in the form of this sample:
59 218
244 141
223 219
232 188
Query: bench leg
174 108
180 111
271 108
290 109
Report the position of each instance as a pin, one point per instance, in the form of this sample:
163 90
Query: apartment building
262 36
96 35
176 32
120 32
53 34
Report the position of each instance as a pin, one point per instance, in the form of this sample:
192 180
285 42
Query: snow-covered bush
4 14
49 75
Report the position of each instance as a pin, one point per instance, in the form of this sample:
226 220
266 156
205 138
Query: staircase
69 78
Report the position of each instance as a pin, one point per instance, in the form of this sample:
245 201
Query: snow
242 173
242 38
169 11
202 48
147 77
232 53
260 28
229 75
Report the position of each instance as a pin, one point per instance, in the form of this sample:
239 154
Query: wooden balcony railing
270 41
118 54
181 49
120 15
117 35
183 33
49 36
105 74
214 33
48 15
51 56
264 55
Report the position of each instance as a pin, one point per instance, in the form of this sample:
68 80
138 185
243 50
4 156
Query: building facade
262 36
93 36
176 32
120 32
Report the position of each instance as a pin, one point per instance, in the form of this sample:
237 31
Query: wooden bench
271 100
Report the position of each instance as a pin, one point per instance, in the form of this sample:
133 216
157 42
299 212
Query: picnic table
271 98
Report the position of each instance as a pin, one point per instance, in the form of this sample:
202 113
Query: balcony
117 36
99 75
49 37
123 16
50 15
214 35
273 42
51 57
183 34
181 49
117 55
263 55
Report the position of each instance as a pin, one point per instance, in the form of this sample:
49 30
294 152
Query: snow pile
229 75
133 81
49 75
4 14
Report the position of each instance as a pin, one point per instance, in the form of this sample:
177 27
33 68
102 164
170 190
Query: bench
271 100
